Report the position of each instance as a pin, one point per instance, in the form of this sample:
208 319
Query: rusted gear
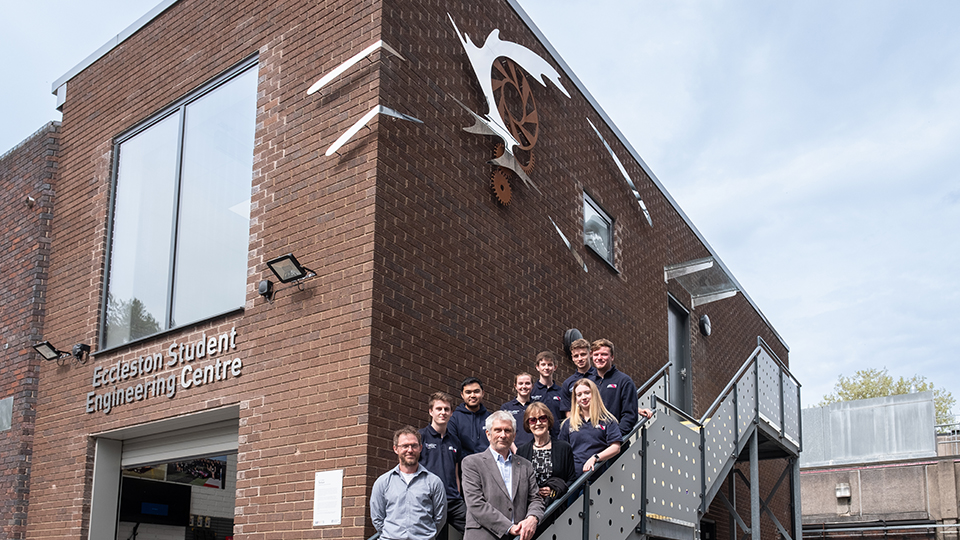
528 166
501 186
515 102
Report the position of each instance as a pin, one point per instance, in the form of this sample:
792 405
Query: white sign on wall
327 497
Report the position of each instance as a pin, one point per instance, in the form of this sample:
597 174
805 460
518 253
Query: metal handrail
730 385
561 503
652 380
766 347
582 479
677 411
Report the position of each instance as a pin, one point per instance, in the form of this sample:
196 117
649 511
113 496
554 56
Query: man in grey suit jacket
493 512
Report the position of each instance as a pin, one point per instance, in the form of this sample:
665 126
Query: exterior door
678 325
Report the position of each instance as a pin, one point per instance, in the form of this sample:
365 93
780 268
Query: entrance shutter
204 440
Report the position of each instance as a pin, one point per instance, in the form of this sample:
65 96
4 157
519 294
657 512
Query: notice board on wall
327 497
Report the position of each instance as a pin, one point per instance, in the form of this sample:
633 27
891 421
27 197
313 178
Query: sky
814 144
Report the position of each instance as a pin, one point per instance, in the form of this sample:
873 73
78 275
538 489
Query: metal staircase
672 467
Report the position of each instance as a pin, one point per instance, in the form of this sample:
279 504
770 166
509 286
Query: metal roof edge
633 152
111 43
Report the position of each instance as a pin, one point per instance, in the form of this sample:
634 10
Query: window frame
178 106
589 200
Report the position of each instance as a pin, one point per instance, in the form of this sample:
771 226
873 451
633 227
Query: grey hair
503 416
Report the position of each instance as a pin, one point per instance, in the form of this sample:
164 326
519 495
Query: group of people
491 475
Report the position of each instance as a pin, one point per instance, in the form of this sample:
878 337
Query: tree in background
872 382
128 320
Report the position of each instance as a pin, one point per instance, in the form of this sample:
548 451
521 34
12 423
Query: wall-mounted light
287 269
79 352
705 327
569 337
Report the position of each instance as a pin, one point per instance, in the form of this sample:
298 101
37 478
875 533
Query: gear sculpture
518 108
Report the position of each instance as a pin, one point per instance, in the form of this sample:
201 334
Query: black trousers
456 518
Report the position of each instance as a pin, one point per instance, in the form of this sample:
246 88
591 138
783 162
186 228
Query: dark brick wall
466 286
27 171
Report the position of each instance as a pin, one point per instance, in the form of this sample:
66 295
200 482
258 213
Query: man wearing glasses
408 501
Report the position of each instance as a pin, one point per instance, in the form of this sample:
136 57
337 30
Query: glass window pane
142 229
597 229
214 229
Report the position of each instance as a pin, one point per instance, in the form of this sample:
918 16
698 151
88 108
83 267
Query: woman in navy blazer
552 458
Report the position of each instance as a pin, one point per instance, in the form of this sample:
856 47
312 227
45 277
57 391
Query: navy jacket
619 395
552 397
467 426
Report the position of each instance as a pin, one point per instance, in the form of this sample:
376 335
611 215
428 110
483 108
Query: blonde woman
591 430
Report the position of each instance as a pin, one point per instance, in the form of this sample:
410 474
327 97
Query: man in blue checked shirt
408 502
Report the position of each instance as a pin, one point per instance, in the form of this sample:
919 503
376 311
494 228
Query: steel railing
679 460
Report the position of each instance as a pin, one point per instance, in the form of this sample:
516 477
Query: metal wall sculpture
520 129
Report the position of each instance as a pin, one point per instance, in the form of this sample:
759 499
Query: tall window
181 215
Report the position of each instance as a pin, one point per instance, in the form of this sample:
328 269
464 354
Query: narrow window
597 229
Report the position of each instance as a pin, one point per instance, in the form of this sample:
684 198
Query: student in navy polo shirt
523 382
591 430
467 422
580 354
548 392
617 389
440 454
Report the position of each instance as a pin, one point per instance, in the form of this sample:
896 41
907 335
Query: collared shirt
517 409
506 469
552 397
619 395
567 386
441 455
589 439
413 511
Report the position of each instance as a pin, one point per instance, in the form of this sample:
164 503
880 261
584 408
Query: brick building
430 263
27 174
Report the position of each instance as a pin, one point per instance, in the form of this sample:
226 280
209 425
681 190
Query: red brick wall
26 171
302 395
423 278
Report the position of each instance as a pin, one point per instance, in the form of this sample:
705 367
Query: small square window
597 229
